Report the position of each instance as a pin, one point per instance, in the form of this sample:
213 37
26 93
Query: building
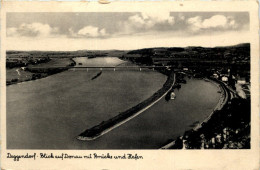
224 78
215 75
241 81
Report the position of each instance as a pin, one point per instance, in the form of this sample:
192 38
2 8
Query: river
49 113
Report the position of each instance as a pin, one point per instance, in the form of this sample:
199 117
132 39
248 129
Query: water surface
49 113
98 61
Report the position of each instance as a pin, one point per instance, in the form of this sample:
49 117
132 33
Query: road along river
49 113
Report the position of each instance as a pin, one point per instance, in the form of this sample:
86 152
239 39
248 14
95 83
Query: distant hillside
240 51
65 54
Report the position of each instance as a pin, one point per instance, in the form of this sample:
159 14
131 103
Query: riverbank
227 127
106 126
221 103
39 71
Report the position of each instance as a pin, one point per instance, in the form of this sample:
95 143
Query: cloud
152 40
88 31
195 23
181 17
216 21
146 21
44 30
162 17
32 30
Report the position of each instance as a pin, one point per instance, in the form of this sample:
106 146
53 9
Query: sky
124 30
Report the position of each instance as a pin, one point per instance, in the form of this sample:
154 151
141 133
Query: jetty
106 126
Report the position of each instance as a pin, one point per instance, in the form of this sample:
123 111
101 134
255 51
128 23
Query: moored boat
173 96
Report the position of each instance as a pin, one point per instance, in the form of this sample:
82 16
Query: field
36 71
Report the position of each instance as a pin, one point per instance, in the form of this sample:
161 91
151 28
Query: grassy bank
37 71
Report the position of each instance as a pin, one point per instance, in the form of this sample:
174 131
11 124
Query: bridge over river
113 68
140 68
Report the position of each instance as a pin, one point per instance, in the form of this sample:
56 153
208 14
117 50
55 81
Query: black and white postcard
129 85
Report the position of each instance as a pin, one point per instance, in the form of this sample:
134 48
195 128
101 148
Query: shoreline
221 102
121 118
31 80
46 73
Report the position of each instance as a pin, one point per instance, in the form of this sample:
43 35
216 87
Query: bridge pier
87 69
114 69
140 69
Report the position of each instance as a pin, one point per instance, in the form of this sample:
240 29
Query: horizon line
129 49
